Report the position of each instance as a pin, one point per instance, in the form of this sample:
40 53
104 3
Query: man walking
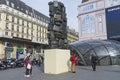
94 62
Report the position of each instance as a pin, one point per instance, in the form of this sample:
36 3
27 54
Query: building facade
22 29
72 35
92 19
91 16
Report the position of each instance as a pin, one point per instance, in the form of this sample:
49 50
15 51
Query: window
22 30
17 13
22 36
35 16
41 19
88 25
12 4
31 14
12 27
7 17
17 7
27 24
12 19
26 11
27 36
7 8
100 18
31 33
27 31
23 23
37 35
7 2
6 33
18 28
32 26
13 10
100 24
7 25
0 16
0 6
17 35
17 21
21 9
37 28
12 34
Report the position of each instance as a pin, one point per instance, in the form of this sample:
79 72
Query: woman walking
28 65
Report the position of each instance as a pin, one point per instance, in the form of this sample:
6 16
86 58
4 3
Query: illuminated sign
113 9
113 22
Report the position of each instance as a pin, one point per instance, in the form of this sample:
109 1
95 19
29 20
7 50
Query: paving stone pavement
82 73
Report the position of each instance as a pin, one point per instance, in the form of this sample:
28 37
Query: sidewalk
82 73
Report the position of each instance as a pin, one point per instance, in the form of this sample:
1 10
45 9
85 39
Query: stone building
22 29
94 18
72 35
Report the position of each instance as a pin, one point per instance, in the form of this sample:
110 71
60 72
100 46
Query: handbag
29 66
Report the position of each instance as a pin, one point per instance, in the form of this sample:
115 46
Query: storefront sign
9 49
113 22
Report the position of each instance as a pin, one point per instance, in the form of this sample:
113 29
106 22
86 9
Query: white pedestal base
56 61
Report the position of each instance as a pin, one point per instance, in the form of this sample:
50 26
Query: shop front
20 51
9 50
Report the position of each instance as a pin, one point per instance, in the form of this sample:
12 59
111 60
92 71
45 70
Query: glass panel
118 47
104 61
83 48
87 57
115 60
117 44
101 51
95 44
113 50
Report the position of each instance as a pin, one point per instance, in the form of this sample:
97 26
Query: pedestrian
73 60
40 60
94 61
28 65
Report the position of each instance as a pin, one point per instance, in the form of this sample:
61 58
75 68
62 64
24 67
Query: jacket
73 59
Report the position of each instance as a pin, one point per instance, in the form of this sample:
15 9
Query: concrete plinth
56 61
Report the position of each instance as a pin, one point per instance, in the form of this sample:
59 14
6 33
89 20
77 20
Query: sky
71 9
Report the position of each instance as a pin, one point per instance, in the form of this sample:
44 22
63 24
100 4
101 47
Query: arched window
88 25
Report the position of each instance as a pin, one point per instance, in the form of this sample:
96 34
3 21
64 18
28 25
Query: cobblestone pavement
82 73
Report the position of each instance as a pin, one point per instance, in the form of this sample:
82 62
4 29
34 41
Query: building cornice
89 2
91 12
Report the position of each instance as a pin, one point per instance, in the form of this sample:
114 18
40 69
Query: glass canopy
107 51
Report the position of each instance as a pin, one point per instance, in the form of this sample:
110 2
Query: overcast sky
71 9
